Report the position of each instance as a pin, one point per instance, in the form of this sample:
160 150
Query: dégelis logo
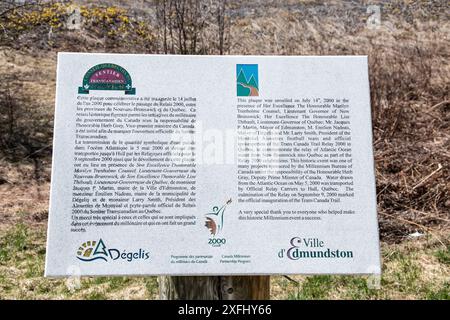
97 250
214 222
304 248
247 80
107 76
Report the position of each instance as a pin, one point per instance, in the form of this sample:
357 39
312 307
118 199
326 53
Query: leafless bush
25 130
192 26
411 130
399 77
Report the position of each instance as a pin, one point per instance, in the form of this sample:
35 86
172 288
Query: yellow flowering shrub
110 22
52 15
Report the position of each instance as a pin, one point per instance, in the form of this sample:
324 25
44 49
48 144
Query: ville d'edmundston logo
107 76
97 250
309 247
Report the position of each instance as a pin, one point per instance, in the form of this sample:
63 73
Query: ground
409 75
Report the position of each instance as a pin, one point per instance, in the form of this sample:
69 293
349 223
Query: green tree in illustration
101 248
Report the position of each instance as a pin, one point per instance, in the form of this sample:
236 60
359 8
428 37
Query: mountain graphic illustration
252 82
247 87
241 77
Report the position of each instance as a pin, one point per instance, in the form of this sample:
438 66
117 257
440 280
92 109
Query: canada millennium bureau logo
214 223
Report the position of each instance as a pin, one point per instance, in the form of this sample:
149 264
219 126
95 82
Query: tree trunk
214 288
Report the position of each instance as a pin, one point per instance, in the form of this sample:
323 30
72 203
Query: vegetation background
408 47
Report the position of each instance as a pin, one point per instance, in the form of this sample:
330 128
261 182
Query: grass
14 240
443 255
418 269
22 259
441 294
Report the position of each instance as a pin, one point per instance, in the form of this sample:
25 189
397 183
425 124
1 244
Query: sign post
213 172
215 288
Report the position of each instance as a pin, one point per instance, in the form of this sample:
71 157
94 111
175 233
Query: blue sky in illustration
249 70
